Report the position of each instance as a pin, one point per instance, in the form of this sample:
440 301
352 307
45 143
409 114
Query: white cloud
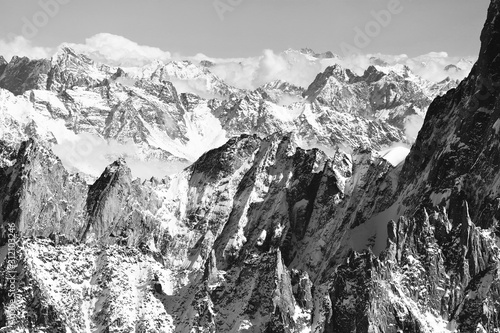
103 47
91 154
431 66
412 125
236 72
245 73
22 47
193 86
299 69
119 51
251 73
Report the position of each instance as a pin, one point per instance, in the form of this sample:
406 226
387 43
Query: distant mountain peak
312 53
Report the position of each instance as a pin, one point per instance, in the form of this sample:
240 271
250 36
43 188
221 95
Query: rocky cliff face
40 196
22 74
261 235
234 222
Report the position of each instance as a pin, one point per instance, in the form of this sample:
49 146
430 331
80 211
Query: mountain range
360 203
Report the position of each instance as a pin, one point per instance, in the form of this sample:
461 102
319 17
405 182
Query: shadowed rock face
457 149
451 180
39 196
3 65
260 235
22 74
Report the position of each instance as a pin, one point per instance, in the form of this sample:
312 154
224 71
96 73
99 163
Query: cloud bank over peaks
297 67
20 46
119 51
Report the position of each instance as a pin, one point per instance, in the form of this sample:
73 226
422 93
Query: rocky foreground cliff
261 235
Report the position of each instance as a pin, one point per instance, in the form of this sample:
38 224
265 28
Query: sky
242 28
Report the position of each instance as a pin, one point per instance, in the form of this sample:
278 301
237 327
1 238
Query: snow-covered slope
176 111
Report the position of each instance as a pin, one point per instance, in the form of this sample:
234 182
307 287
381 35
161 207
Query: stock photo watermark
224 6
82 148
372 29
363 35
12 262
40 19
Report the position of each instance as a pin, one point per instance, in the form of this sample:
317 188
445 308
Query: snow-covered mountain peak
334 75
324 55
280 84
